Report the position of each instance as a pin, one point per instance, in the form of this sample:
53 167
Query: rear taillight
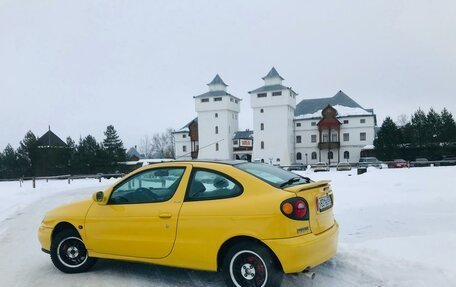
295 208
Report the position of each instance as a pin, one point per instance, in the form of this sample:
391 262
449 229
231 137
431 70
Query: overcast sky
81 65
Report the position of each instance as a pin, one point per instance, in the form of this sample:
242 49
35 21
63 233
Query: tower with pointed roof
218 113
273 111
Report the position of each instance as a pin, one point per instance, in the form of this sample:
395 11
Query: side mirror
98 196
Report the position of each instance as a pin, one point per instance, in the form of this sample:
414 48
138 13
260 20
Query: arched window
314 155
262 126
298 156
346 155
262 145
262 160
216 115
216 147
261 111
216 129
330 155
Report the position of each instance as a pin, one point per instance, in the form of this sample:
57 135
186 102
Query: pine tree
87 155
10 162
26 153
433 126
448 133
418 123
387 139
113 146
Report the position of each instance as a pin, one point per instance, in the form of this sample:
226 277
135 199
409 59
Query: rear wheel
251 264
69 254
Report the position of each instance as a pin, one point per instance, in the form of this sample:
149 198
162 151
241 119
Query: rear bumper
299 253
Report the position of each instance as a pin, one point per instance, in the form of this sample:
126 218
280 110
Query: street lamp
306 160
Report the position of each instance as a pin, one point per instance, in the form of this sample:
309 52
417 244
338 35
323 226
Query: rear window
272 175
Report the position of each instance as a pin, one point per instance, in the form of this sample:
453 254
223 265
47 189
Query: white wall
354 145
181 139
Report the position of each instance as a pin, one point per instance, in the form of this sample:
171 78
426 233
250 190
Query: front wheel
69 254
251 264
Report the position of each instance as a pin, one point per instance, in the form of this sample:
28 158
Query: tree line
85 157
430 135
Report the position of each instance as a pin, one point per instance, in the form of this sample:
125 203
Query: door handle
165 215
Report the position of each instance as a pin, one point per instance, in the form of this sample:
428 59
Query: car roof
226 162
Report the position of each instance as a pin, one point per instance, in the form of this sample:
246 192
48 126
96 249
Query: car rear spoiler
306 186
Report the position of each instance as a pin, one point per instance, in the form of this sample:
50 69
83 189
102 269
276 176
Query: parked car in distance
398 163
370 162
251 222
320 166
420 162
448 160
343 166
296 166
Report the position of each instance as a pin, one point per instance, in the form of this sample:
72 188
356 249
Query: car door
140 217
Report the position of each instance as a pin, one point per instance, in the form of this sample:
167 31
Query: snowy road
402 234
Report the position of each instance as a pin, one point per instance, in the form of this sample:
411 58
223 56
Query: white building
330 129
218 113
273 111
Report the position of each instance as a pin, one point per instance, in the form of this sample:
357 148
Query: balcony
329 145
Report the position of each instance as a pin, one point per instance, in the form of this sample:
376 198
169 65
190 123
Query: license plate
324 203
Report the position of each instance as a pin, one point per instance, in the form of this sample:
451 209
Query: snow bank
14 198
398 215
342 111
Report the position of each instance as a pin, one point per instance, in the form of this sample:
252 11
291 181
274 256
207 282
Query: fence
68 177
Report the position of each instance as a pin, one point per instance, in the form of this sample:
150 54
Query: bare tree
163 144
145 146
402 120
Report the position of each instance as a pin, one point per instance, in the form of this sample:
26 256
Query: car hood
75 210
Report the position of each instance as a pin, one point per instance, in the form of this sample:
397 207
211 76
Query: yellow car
252 222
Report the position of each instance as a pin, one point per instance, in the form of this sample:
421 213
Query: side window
155 185
207 185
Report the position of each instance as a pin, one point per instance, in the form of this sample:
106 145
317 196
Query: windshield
273 175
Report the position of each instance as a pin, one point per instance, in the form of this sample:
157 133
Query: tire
68 253
251 264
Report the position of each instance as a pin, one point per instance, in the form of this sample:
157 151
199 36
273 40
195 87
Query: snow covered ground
398 228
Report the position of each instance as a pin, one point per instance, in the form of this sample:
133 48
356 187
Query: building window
362 136
216 147
204 100
219 99
362 121
313 138
235 142
262 126
231 100
262 95
334 138
261 111
298 139
346 155
184 136
314 155
298 156
236 101
346 137
276 93
184 148
298 124
325 138
262 145
345 121
216 115
216 129
313 124
330 155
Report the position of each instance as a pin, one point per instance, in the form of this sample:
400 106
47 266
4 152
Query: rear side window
208 185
